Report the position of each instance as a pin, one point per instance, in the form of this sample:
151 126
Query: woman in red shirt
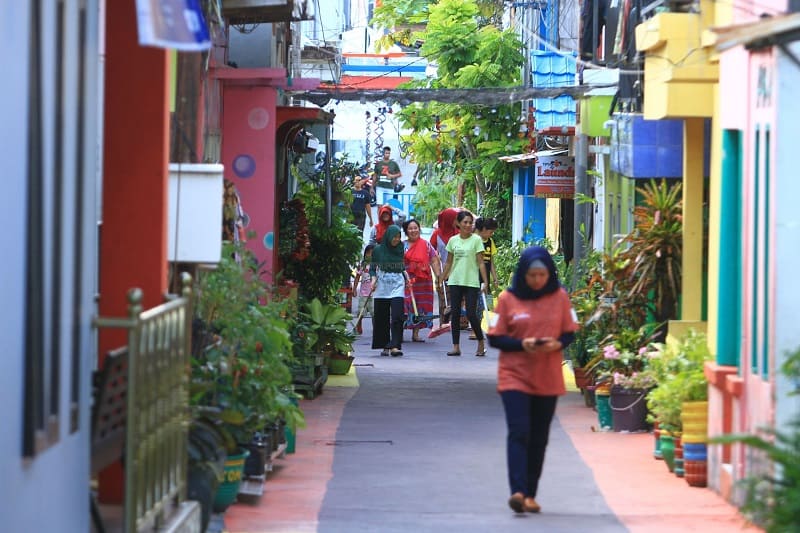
533 323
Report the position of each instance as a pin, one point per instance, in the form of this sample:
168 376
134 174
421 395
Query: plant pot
231 479
583 378
678 457
694 420
256 462
604 419
340 366
657 436
668 451
695 473
628 409
588 397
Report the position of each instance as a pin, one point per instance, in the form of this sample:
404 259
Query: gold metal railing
159 343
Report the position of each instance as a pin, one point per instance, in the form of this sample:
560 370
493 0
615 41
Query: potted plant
319 275
328 334
677 368
241 352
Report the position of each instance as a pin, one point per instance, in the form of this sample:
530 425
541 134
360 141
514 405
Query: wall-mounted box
195 212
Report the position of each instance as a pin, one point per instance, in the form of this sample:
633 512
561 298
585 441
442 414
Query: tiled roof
549 69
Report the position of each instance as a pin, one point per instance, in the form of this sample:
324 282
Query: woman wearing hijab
385 219
446 228
533 323
388 298
420 258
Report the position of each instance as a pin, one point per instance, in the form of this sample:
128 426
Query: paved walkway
416 444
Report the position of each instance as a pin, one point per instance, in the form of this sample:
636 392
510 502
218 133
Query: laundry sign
555 177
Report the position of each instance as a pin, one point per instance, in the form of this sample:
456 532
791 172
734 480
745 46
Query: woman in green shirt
464 263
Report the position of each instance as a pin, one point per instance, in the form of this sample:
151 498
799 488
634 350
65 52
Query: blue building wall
646 148
534 210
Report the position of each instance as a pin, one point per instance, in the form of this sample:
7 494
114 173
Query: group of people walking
533 321
457 263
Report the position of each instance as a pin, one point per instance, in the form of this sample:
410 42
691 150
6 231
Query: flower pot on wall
195 212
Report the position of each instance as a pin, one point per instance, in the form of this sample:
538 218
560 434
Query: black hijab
519 287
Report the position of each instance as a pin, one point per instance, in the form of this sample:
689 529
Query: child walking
363 285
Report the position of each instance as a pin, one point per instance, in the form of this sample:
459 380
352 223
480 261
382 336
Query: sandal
481 349
480 354
396 353
517 502
454 353
531 506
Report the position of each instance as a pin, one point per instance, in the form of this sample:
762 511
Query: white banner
174 24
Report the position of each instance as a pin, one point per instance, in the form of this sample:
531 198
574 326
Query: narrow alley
417 444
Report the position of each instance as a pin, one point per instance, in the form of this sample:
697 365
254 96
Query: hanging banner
174 24
555 177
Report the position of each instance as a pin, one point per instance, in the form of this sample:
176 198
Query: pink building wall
248 153
748 102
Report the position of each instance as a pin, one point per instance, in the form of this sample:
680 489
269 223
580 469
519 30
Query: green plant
678 368
325 328
772 495
241 347
625 358
655 253
330 251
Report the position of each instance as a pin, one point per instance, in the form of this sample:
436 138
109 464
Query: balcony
679 71
258 11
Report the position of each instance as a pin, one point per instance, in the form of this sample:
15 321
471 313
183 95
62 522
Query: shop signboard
555 177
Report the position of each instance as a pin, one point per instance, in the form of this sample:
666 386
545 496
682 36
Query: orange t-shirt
548 316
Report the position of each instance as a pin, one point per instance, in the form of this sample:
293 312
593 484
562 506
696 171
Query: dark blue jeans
528 419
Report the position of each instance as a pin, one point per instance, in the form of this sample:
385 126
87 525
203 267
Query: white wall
49 492
786 192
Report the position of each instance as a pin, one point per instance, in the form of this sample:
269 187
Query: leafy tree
462 143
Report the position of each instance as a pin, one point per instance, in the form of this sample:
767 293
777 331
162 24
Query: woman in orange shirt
533 323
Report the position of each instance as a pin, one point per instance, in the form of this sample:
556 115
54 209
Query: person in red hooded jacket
446 228
385 219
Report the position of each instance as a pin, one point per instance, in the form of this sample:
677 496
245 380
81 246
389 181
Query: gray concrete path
421 447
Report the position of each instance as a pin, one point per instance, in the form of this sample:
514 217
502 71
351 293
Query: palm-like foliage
656 248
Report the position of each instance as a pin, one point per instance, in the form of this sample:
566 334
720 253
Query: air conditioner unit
258 11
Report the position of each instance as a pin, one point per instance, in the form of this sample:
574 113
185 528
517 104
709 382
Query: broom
441 329
363 308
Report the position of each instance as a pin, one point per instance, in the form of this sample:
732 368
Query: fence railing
157 425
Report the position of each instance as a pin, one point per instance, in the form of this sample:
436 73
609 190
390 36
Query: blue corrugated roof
550 69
